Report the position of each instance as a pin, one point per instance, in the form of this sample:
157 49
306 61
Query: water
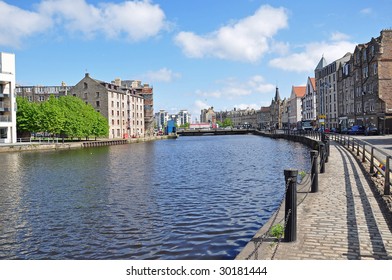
190 198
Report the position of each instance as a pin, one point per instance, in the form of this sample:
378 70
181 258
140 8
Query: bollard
387 189
290 229
322 158
314 173
326 150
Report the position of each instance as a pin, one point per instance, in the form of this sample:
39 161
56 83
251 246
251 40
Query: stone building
277 107
264 118
345 86
123 107
147 93
208 116
7 98
326 86
372 72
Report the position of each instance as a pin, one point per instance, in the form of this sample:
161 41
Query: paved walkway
346 219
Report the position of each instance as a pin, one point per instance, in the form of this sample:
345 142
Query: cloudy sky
195 53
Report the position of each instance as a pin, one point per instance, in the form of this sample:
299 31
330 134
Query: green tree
27 116
52 116
67 116
227 122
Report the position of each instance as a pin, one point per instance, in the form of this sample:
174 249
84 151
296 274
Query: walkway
347 219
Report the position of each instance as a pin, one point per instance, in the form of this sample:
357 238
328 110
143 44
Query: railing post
353 148
358 149
372 161
387 189
363 153
322 158
290 229
314 173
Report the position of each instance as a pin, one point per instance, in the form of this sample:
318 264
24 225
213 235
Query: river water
190 198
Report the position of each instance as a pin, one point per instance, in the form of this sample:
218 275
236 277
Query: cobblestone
346 219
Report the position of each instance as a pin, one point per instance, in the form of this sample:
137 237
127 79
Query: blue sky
195 53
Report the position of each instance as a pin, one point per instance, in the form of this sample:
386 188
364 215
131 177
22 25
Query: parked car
343 130
371 130
356 130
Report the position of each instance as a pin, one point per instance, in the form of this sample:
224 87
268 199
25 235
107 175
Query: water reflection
191 198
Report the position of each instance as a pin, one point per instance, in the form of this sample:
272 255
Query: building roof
322 63
299 91
313 82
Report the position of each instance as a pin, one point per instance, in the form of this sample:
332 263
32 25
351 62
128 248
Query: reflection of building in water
11 200
7 98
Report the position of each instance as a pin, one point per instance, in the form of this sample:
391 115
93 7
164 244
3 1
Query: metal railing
379 161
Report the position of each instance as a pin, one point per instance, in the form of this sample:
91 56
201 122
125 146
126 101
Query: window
97 94
85 86
97 104
374 68
365 72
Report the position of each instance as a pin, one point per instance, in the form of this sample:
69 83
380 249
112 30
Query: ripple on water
190 198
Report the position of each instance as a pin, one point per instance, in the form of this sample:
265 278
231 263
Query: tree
227 122
27 116
68 116
52 116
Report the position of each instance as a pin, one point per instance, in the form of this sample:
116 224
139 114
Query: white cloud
232 88
245 40
338 36
132 20
136 20
162 75
247 106
366 11
17 24
307 60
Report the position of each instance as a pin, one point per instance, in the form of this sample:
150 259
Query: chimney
117 82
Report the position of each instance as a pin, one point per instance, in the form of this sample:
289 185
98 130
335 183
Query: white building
309 104
7 98
294 105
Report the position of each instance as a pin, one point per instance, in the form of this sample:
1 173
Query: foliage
66 116
277 231
227 122
185 125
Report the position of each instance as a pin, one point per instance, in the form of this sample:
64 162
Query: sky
196 54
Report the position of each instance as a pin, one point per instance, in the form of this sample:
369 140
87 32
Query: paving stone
344 220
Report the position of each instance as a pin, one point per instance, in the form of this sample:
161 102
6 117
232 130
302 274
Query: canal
190 198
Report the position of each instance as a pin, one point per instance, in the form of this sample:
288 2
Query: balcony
5 106
5 118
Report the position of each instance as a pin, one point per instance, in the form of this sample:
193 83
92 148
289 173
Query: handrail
378 159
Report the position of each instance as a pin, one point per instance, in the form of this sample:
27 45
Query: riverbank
346 219
50 145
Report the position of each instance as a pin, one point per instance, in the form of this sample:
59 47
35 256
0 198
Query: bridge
202 132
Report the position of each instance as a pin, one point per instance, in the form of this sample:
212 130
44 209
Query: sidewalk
346 219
